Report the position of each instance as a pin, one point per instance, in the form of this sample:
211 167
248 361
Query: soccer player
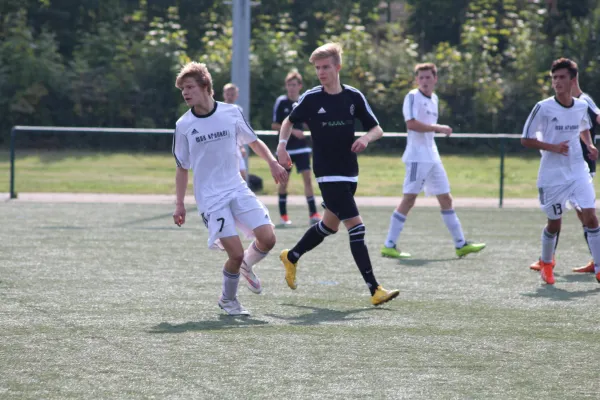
594 116
230 96
555 126
330 111
297 148
424 168
206 140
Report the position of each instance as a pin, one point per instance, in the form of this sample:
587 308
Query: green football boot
392 252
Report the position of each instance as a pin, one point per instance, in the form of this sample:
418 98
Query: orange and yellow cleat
547 272
588 268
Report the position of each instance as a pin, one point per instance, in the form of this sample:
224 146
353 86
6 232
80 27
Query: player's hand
593 152
360 144
278 172
179 215
298 133
283 157
563 148
445 129
243 151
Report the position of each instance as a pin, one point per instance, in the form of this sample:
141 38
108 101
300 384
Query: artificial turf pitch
114 301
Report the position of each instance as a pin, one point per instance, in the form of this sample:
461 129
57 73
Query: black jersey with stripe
331 119
282 108
594 124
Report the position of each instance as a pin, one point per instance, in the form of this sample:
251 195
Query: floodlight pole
240 60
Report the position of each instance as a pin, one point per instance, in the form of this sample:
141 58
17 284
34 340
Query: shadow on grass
320 315
578 277
557 294
224 322
167 216
419 262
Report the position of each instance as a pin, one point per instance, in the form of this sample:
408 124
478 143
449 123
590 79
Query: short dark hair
565 63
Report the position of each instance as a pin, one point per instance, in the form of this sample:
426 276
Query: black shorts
338 197
591 165
301 161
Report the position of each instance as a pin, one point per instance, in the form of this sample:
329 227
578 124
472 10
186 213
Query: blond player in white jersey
230 95
555 127
206 140
424 168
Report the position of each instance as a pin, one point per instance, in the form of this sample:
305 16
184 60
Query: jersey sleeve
409 109
533 123
585 122
299 112
364 112
181 150
278 114
243 130
591 105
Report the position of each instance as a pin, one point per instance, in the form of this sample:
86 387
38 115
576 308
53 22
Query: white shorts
244 211
572 202
580 193
426 175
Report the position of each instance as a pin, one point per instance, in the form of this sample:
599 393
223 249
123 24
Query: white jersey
208 144
551 122
420 146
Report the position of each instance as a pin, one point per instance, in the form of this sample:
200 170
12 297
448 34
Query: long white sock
396 225
230 285
593 238
453 224
548 244
253 255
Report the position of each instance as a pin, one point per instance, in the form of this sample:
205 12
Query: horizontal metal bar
66 129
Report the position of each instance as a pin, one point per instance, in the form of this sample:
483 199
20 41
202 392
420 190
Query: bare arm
375 133
295 132
586 137
561 148
419 126
181 183
260 148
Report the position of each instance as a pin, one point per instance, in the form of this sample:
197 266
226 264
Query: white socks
253 255
548 245
230 285
593 237
396 225
453 224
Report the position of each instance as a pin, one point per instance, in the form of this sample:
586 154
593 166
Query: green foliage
113 62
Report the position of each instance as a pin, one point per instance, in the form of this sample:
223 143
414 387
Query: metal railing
502 137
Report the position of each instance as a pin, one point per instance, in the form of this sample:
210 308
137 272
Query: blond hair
426 67
199 72
333 50
230 86
293 75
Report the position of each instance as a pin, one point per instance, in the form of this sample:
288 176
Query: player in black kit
297 148
330 111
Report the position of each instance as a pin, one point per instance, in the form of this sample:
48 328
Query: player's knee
236 258
445 201
357 232
408 200
266 241
590 220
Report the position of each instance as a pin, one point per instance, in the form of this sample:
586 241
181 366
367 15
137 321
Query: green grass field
113 301
470 176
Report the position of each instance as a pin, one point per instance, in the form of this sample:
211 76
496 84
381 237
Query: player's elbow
526 142
411 125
